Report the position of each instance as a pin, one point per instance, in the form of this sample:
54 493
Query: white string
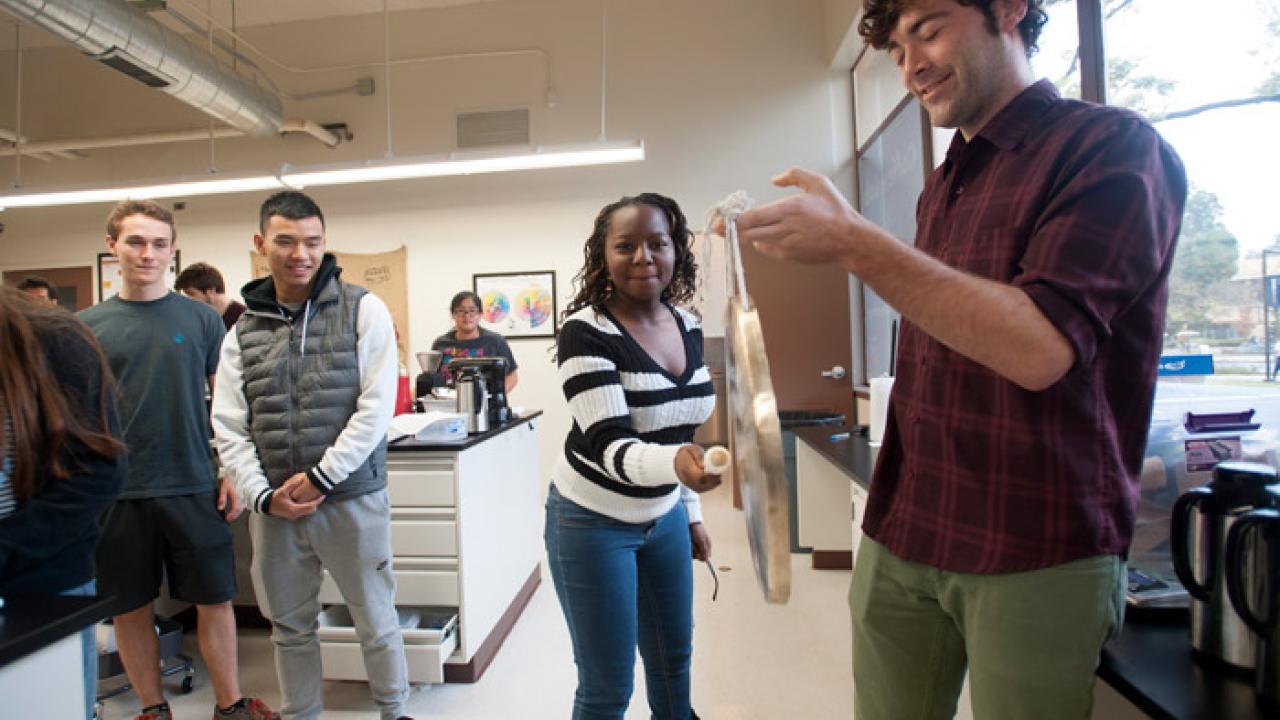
213 148
17 110
728 210
386 69
604 61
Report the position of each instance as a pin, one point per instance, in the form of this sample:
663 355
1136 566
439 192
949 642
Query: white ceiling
249 13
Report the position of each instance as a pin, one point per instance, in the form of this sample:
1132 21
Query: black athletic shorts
183 538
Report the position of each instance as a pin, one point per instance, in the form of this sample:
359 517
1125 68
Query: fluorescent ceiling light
398 169
176 188
466 164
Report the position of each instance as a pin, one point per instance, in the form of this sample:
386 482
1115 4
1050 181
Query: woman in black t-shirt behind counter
467 339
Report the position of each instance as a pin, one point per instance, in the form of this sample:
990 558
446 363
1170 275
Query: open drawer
423 532
420 480
419 582
430 636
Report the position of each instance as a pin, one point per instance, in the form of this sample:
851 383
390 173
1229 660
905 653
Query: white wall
843 42
725 94
878 89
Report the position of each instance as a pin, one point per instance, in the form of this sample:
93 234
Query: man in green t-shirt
169 522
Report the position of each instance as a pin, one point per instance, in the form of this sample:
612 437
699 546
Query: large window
891 172
1208 76
892 145
1058 57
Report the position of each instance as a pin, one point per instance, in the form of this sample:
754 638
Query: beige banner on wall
384 274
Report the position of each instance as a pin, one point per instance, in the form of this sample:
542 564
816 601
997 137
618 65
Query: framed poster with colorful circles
517 305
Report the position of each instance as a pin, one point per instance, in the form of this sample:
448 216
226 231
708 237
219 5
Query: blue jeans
89 651
622 585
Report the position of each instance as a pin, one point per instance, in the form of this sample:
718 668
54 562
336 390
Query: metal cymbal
755 432
756 443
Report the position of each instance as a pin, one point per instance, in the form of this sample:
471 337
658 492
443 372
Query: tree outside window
1207 75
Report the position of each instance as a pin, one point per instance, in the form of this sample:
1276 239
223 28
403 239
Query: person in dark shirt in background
171 520
204 283
467 340
40 289
61 462
1004 497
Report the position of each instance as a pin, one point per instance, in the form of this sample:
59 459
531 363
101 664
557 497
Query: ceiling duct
128 40
493 127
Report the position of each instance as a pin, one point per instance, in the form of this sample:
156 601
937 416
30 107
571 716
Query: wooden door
75 284
804 312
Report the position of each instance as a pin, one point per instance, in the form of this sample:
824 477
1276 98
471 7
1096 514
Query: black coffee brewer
429 361
481 384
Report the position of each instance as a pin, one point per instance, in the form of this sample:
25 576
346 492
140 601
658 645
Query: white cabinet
466 544
46 683
432 583
422 479
822 491
859 501
430 636
423 532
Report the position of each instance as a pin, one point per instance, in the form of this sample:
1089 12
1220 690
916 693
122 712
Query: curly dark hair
881 16
593 279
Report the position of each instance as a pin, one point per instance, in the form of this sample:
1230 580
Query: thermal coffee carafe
481 386
1202 517
473 398
1253 584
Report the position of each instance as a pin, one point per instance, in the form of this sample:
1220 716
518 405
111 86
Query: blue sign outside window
1180 365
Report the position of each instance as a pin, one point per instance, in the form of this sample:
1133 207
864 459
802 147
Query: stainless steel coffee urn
482 394
1202 517
473 397
1253 584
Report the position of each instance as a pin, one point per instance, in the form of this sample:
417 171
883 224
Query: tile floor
752 661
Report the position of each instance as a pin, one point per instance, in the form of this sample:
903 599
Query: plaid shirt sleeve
1099 246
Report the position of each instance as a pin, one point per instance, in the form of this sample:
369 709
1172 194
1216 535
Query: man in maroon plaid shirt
1003 499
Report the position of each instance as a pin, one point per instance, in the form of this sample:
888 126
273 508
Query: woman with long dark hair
60 462
623 517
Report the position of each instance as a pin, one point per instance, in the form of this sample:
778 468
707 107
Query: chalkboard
891 172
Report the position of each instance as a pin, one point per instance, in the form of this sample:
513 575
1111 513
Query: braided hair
593 279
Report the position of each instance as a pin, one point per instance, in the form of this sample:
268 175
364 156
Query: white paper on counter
881 387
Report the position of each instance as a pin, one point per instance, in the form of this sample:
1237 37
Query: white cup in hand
716 460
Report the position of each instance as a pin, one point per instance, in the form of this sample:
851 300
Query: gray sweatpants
352 540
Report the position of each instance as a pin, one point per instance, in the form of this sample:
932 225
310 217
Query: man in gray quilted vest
305 390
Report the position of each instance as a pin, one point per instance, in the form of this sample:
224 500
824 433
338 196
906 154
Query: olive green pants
1029 640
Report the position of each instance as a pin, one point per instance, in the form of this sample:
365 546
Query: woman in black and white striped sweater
623 517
